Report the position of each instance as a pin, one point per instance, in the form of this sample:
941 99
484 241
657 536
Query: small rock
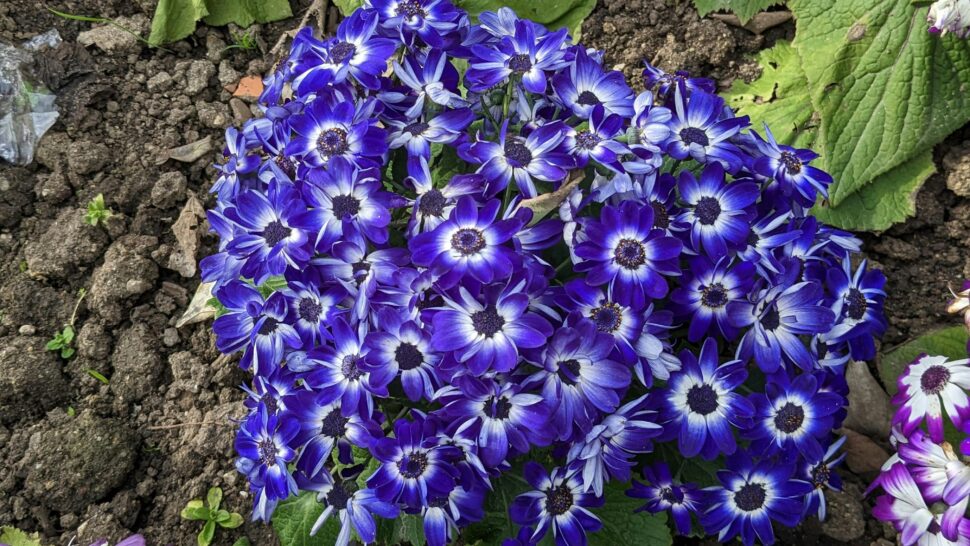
863 456
227 74
125 260
137 286
844 514
186 230
68 245
240 110
214 115
197 77
956 163
93 341
31 381
168 190
869 410
86 157
50 150
53 188
112 39
27 330
160 82
170 337
215 48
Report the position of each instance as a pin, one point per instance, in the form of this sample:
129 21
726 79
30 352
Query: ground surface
160 433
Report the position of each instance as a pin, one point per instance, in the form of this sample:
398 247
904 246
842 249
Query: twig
317 6
181 425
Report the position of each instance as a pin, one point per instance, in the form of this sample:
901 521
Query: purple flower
587 85
705 295
596 141
325 132
264 445
401 348
821 475
339 373
521 54
663 493
353 507
238 161
431 20
558 503
790 168
857 302
432 77
927 386
433 205
655 77
716 211
539 155
903 506
323 427
697 130
255 324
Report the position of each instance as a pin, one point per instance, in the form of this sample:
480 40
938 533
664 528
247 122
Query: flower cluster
926 483
448 248
950 16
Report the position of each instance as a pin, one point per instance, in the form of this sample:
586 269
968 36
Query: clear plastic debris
27 109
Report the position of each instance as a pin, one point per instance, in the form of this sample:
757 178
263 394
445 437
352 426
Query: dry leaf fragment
187 153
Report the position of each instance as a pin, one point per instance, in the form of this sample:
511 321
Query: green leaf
246 12
294 518
97 375
208 533
744 9
235 520
496 525
346 7
272 284
67 352
214 498
887 200
622 526
554 14
195 510
408 528
15 537
55 343
68 334
175 19
886 89
779 97
949 342
243 541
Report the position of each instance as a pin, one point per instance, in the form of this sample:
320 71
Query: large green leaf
175 19
346 7
622 526
887 90
948 342
744 9
294 518
246 12
496 525
15 537
889 199
554 14
779 97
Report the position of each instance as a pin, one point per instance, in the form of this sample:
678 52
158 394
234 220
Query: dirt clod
31 381
68 245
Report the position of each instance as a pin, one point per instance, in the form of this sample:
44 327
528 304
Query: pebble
214 115
240 110
27 330
137 286
168 190
197 77
160 82
227 74
170 337
845 520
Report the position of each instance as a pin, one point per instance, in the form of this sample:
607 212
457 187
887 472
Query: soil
85 459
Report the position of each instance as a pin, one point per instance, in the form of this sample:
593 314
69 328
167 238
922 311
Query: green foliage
97 375
744 9
175 19
294 518
272 284
11 536
242 40
97 212
212 515
62 341
949 342
622 526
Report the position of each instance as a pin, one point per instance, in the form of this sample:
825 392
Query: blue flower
339 373
433 205
417 135
626 251
355 508
698 130
700 407
790 168
665 82
539 155
323 427
717 212
360 274
402 348
820 473
706 293
586 85
254 324
445 514
652 122
857 301
520 53
777 317
265 447
432 77
470 242
325 132
431 20
793 416
625 324
596 141
767 234
750 497
486 332
559 503
309 310
238 162
663 493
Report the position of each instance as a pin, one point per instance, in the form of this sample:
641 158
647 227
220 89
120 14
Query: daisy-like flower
338 373
625 324
324 132
522 54
666 82
433 205
558 503
264 444
790 168
355 508
950 16
903 506
487 332
716 211
793 415
705 296
938 471
625 251
767 234
431 20
431 77
323 427
444 515
522 158
652 122
238 162
596 141
857 302
698 131
751 496
360 274
417 135
929 385
663 493
255 324
401 348
586 85
821 475
656 358
700 407
309 310
471 241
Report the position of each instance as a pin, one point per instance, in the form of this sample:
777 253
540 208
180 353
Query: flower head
929 385
558 503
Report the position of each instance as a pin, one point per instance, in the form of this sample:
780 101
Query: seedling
97 213
211 515
244 39
64 339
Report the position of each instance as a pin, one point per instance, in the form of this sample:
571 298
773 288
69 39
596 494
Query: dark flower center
286 165
342 51
661 218
588 98
702 399
497 408
468 241
750 497
267 451
934 379
416 128
820 475
268 326
772 319
274 232
559 500
753 238
714 296
334 424
345 205
269 401
432 203
792 164
411 8
789 418
587 140
607 317
669 495
520 63
408 356
569 371
517 153
360 271
349 367
855 304
693 135
332 142
338 497
630 254
310 309
413 465
438 502
488 322
707 210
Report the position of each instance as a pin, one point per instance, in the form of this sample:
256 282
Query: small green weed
97 213
211 515
64 339
243 39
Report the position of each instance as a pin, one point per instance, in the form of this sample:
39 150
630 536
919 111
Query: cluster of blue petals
449 248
